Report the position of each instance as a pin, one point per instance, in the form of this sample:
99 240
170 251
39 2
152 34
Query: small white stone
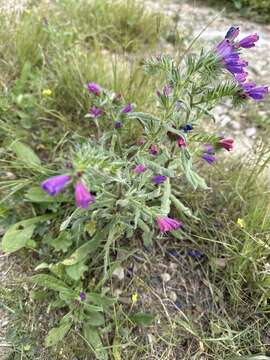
251 131
235 125
119 273
173 296
165 277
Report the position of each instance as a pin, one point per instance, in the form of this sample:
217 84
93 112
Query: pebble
250 132
173 296
235 125
165 277
119 273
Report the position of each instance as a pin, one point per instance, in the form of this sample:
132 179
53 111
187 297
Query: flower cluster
55 184
228 52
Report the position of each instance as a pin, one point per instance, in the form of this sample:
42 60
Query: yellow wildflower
241 223
47 92
134 298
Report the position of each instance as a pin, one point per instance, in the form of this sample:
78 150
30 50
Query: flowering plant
126 185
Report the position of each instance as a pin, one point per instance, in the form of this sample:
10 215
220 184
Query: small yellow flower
134 298
241 223
47 92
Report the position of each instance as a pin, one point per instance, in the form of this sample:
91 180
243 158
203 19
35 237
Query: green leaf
157 169
25 153
36 194
182 208
62 242
83 251
166 201
95 318
101 300
92 336
147 233
76 271
57 334
17 239
19 234
49 282
142 319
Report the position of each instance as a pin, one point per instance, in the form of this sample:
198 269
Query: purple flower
167 90
153 150
256 93
82 196
127 108
187 128
140 169
118 124
232 33
96 112
94 88
230 58
159 179
209 149
141 141
181 142
167 224
82 296
209 158
55 184
241 77
248 41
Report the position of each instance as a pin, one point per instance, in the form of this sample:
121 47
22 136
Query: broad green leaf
157 169
17 239
101 300
143 319
36 194
147 233
62 242
91 227
83 251
49 282
92 336
25 153
166 201
18 235
57 334
95 318
76 271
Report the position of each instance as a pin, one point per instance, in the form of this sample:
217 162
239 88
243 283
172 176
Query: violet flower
82 196
82 296
209 149
159 179
55 184
118 124
153 150
140 169
127 108
141 141
230 58
96 112
94 88
167 224
209 158
256 93
226 144
248 41
241 77
167 90
232 33
186 128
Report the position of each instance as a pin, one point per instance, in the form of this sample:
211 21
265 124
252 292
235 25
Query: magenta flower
181 142
94 89
82 196
230 58
159 179
167 224
141 141
232 33
127 108
153 150
96 112
209 158
226 144
248 41
55 184
140 169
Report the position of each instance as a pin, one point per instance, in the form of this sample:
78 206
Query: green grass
222 308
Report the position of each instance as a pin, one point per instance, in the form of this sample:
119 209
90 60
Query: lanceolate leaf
25 153
166 201
93 338
57 334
